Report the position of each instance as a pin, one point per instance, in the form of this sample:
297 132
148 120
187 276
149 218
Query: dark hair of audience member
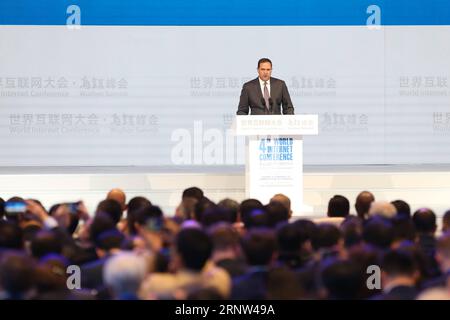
422 264
259 246
232 206
403 228
111 208
398 263
109 239
16 274
363 257
256 218
424 221
223 236
342 279
201 207
289 238
326 236
51 277
352 230
403 208
247 206
11 236
378 232
216 214
276 213
193 192
46 242
101 222
142 216
194 247
306 227
134 205
338 206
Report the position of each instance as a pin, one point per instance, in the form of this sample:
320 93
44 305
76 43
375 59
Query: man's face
265 71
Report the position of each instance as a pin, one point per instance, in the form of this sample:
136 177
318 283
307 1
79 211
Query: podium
274 156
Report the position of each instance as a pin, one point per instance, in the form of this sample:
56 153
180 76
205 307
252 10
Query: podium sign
274 155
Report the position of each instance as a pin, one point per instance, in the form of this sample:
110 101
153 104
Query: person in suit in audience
398 276
425 224
259 246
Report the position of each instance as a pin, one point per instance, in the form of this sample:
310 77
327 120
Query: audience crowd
132 250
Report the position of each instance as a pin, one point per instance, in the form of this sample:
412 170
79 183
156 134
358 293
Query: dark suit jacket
398 293
250 286
92 274
252 98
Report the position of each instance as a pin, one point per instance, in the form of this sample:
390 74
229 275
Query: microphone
263 102
271 104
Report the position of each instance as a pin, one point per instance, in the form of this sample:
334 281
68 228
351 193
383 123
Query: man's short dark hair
248 205
289 238
306 227
223 236
134 205
16 273
216 214
259 246
257 218
195 248
232 206
327 235
11 236
112 208
424 220
403 228
46 242
253 214
109 239
338 206
398 263
263 60
148 212
202 206
100 223
193 192
276 213
137 203
342 279
378 231
352 229
402 207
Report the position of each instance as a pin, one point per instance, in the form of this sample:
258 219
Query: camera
15 207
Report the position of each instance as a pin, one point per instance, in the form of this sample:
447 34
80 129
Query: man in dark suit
399 276
265 95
